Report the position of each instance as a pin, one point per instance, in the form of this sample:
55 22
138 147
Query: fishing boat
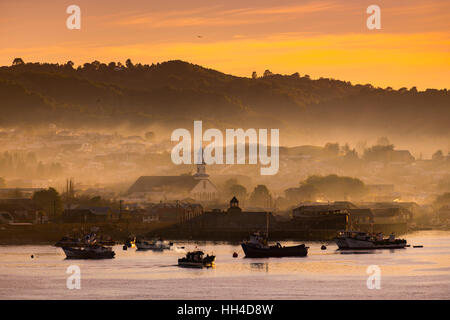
78 242
257 247
196 259
92 251
156 245
130 242
356 240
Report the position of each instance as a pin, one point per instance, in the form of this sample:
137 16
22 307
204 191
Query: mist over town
225 155
104 161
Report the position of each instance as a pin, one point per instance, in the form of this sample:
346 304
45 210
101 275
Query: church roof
163 183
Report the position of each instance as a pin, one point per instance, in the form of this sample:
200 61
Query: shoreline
49 234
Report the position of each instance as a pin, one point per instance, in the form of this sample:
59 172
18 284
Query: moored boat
157 245
196 259
79 242
257 247
130 242
356 240
89 252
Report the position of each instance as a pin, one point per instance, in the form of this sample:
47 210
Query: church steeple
201 167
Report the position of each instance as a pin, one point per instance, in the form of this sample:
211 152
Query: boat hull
152 248
207 262
142 246
82 253
356 244
276 252
195 264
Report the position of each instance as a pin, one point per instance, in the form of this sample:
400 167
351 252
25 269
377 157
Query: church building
162 188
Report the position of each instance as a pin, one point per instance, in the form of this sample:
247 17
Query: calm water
412 273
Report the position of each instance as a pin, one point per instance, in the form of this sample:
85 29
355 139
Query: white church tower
201 168
204 190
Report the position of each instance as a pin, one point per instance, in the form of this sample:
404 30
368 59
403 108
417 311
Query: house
163 188
304 211
22 210
413 207
88 215
139 215
6 217
320 217
149 218
360 216
179 211
344 205
391 215
22 193
235 219
318 214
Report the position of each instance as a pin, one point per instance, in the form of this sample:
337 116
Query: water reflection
152 275
259 266
358 252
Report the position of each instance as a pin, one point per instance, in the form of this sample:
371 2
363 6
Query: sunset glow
320 38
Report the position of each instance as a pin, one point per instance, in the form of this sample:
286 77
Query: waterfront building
80 214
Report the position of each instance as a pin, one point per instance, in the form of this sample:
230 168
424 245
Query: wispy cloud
287 9
219 16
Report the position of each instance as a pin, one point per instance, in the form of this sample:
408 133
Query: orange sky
321 38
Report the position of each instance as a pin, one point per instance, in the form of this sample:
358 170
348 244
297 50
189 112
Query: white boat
356 240
157 245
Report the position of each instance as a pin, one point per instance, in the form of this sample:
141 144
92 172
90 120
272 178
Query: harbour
410 273
214 160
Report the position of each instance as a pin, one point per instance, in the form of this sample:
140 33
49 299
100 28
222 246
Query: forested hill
174 92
